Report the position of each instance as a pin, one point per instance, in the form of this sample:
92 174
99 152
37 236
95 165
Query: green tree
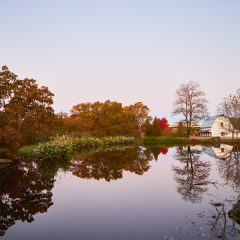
156 130
148 128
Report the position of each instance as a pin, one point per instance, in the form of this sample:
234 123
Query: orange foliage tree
25 106
108 118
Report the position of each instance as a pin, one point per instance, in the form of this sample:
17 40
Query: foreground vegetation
164 141
63 147
171 141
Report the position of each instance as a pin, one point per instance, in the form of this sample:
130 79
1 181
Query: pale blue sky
123 50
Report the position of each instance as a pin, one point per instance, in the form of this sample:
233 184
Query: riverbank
63 147
171 141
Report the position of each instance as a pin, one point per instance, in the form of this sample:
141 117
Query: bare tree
191 103
230 107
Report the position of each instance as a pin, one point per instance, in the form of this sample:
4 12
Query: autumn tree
230 107
156 128
25 106
108 118
164 126
7 84
139 114
190 102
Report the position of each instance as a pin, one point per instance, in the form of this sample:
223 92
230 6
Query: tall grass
63 147
164 140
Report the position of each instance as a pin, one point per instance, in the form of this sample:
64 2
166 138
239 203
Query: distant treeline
27 116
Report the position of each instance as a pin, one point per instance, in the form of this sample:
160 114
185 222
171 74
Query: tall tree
25 106
148 128
140 113
230 107
7 83
156 130
164 126
191 103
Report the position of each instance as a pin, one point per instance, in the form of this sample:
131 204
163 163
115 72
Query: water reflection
26 189
156 151
229 168
24 192
192 174
222 151
109 165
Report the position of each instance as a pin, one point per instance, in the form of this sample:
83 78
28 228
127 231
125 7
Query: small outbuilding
217 126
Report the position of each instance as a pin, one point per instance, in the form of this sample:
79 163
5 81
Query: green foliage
27 151
156 131
148 128
181 130
164 141
63 147
152 129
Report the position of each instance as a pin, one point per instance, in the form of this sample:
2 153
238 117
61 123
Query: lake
125 193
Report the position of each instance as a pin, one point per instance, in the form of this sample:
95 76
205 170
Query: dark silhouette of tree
109 165
192 175
23 193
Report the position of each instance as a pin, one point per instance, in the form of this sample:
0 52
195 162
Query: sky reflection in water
135 193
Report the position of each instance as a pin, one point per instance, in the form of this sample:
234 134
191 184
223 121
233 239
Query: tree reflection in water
229 168
156 151
24 193
192 175
109 165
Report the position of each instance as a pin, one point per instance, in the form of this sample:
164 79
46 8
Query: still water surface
132 193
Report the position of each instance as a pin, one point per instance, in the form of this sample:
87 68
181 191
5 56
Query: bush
9 142
63 147
163 140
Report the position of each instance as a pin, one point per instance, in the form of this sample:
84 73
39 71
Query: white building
221 152
217 126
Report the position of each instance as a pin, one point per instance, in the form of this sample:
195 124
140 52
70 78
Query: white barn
221 152
217 126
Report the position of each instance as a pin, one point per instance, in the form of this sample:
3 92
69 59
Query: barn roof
208 122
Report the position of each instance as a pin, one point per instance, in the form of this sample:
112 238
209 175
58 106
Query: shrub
63 147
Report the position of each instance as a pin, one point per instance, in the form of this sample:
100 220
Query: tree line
27 115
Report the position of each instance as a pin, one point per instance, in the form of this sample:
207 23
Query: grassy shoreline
61 147
170 141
